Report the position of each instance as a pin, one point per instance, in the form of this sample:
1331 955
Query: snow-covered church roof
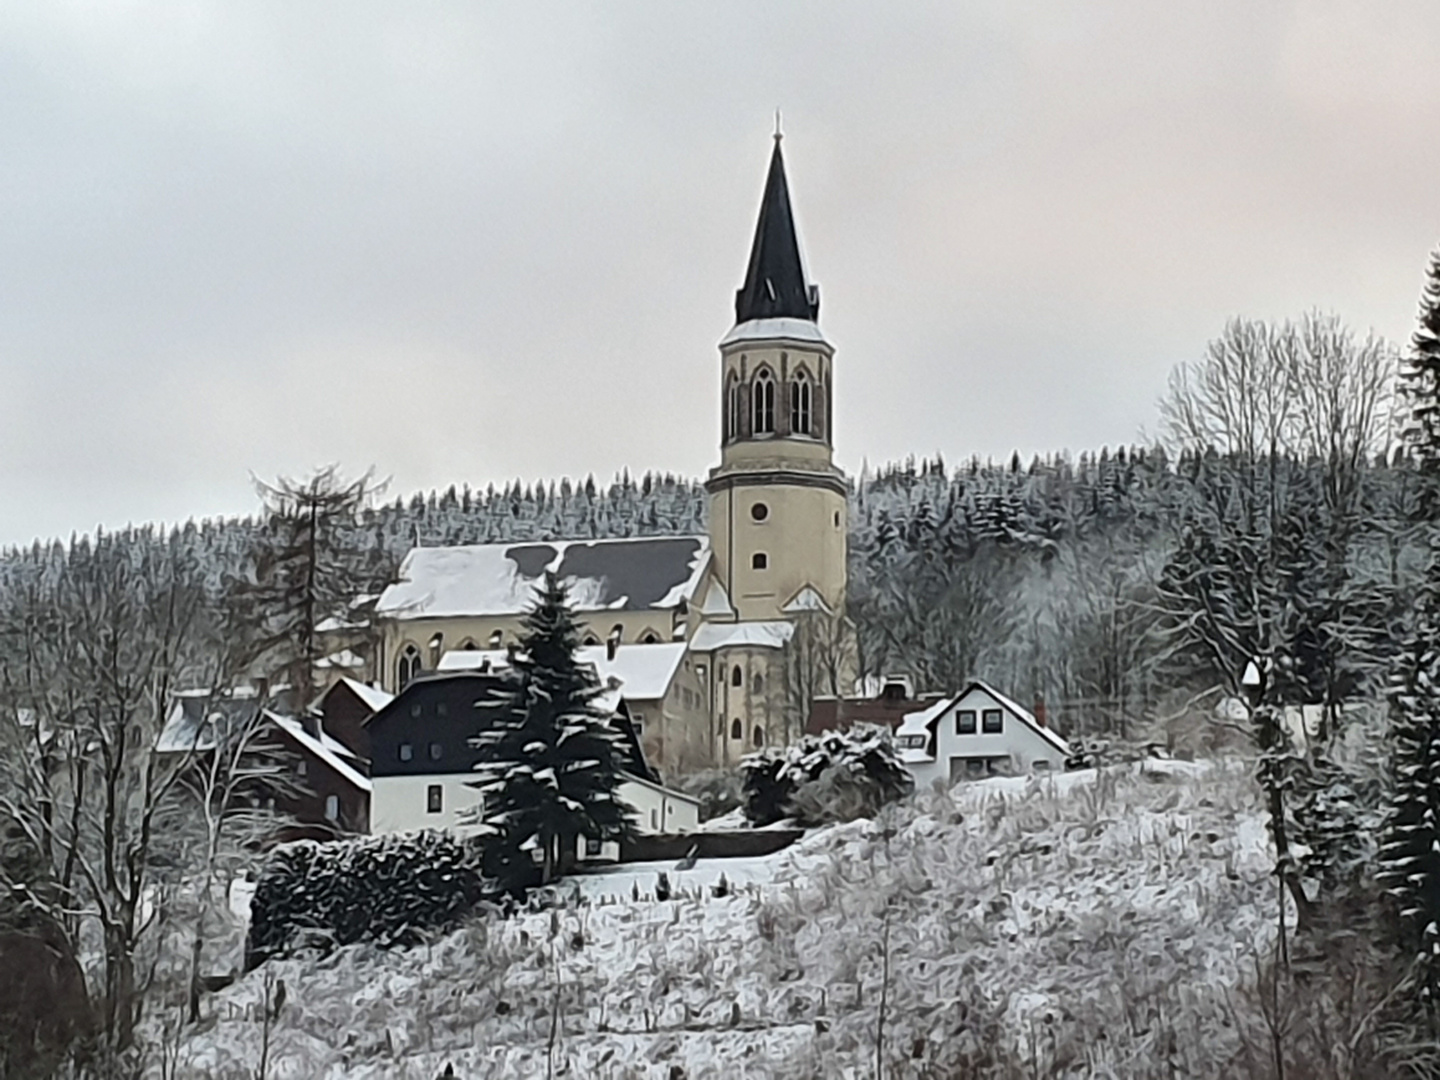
633 574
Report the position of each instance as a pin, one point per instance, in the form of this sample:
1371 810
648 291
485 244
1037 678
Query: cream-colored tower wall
802 539
801 530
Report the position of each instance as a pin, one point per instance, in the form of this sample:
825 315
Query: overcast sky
468 242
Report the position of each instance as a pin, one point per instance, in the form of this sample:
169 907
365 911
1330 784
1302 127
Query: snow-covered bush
834 776
387 889
718 790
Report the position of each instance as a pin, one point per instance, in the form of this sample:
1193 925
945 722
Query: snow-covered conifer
1410 846
553 757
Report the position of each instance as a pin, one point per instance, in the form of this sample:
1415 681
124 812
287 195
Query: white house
977 733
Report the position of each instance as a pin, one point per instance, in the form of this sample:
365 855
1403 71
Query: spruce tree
553 757
1410 846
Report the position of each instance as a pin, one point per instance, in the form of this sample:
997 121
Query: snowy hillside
1077 926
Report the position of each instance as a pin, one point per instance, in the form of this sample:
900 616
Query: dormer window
763 403
801 399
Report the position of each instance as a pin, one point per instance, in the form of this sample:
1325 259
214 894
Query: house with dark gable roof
423 761
327 789
774 555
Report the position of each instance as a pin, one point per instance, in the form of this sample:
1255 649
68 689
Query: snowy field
1080 925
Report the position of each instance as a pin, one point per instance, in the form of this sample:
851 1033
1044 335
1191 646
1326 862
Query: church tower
777 501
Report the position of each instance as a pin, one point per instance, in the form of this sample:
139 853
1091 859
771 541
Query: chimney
1040 711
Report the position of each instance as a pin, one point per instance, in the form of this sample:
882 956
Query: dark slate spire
775 279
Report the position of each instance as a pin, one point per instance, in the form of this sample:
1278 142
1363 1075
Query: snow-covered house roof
767 634
634 574
372 696
198 720
332 753
643 672
344 660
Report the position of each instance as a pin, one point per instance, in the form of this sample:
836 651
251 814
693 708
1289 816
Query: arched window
468 645
437 649
758 683
408 665
759 735
736 731
617 633
763 403
759 561
496 637
801 401
737 677
649 638
732 407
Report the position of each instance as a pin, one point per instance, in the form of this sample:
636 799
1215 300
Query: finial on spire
778 133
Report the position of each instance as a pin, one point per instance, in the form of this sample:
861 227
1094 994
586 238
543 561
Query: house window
654 820
976 766
759 511
913 742
800 401
442 708
759 735
332 807
436 751
700 672
496 638
736 731
468 645
434 799
763 403
407 752
759 561
437 649
408 665
737 677
592 846
758 683
1040 765
301 768
837 519
648 638
965 722
993 721
732 407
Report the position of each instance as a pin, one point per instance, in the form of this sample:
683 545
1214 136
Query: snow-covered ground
1080 925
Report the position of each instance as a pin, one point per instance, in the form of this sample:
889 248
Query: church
716 643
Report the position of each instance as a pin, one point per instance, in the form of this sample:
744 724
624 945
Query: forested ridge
1042 576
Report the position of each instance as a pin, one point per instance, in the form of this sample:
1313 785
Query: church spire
775 285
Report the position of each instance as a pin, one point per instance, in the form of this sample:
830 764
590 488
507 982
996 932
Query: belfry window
764 403
732 407
801 398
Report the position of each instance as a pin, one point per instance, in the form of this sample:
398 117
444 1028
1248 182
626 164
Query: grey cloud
465 243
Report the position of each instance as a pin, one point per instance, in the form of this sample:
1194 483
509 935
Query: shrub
834 776
387 889
719 791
